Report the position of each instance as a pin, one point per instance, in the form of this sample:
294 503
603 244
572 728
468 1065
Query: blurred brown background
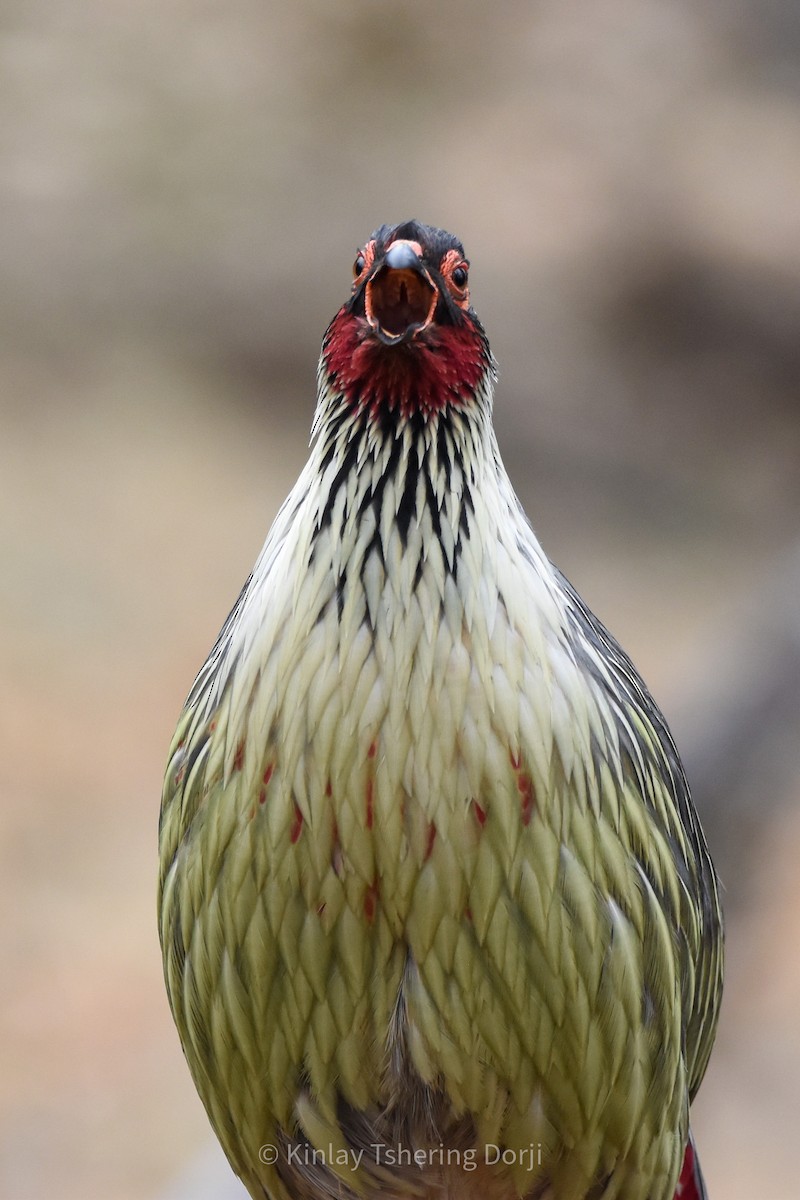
182 189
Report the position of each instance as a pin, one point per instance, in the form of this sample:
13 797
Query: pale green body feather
424 857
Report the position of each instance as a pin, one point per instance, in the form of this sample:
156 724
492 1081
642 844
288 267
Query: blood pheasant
437 914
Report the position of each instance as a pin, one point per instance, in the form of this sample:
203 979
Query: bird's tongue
398 302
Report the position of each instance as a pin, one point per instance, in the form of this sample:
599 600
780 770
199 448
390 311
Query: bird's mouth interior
399 301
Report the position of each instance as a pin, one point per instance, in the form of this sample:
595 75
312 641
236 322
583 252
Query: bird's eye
358 265
459 276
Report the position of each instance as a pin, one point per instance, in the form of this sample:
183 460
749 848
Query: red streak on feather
370 808
480 813
371 901
525 788
238 757
297 825
430 841
337 860
527 796
262 795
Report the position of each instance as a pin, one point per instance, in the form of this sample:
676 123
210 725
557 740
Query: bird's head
407 339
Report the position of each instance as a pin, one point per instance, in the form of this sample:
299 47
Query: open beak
400 298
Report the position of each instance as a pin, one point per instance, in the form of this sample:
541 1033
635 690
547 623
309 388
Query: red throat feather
426 375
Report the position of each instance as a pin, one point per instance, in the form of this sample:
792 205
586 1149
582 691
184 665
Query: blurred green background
182 189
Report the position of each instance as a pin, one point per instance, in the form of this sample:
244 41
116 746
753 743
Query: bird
437 914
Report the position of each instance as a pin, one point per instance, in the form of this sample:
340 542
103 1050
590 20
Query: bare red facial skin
363 261
452 267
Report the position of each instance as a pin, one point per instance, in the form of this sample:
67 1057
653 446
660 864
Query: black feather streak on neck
418 447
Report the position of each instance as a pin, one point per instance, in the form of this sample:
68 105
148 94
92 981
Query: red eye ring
359 264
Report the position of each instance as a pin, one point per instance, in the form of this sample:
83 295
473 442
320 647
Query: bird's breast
387 805
403 685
